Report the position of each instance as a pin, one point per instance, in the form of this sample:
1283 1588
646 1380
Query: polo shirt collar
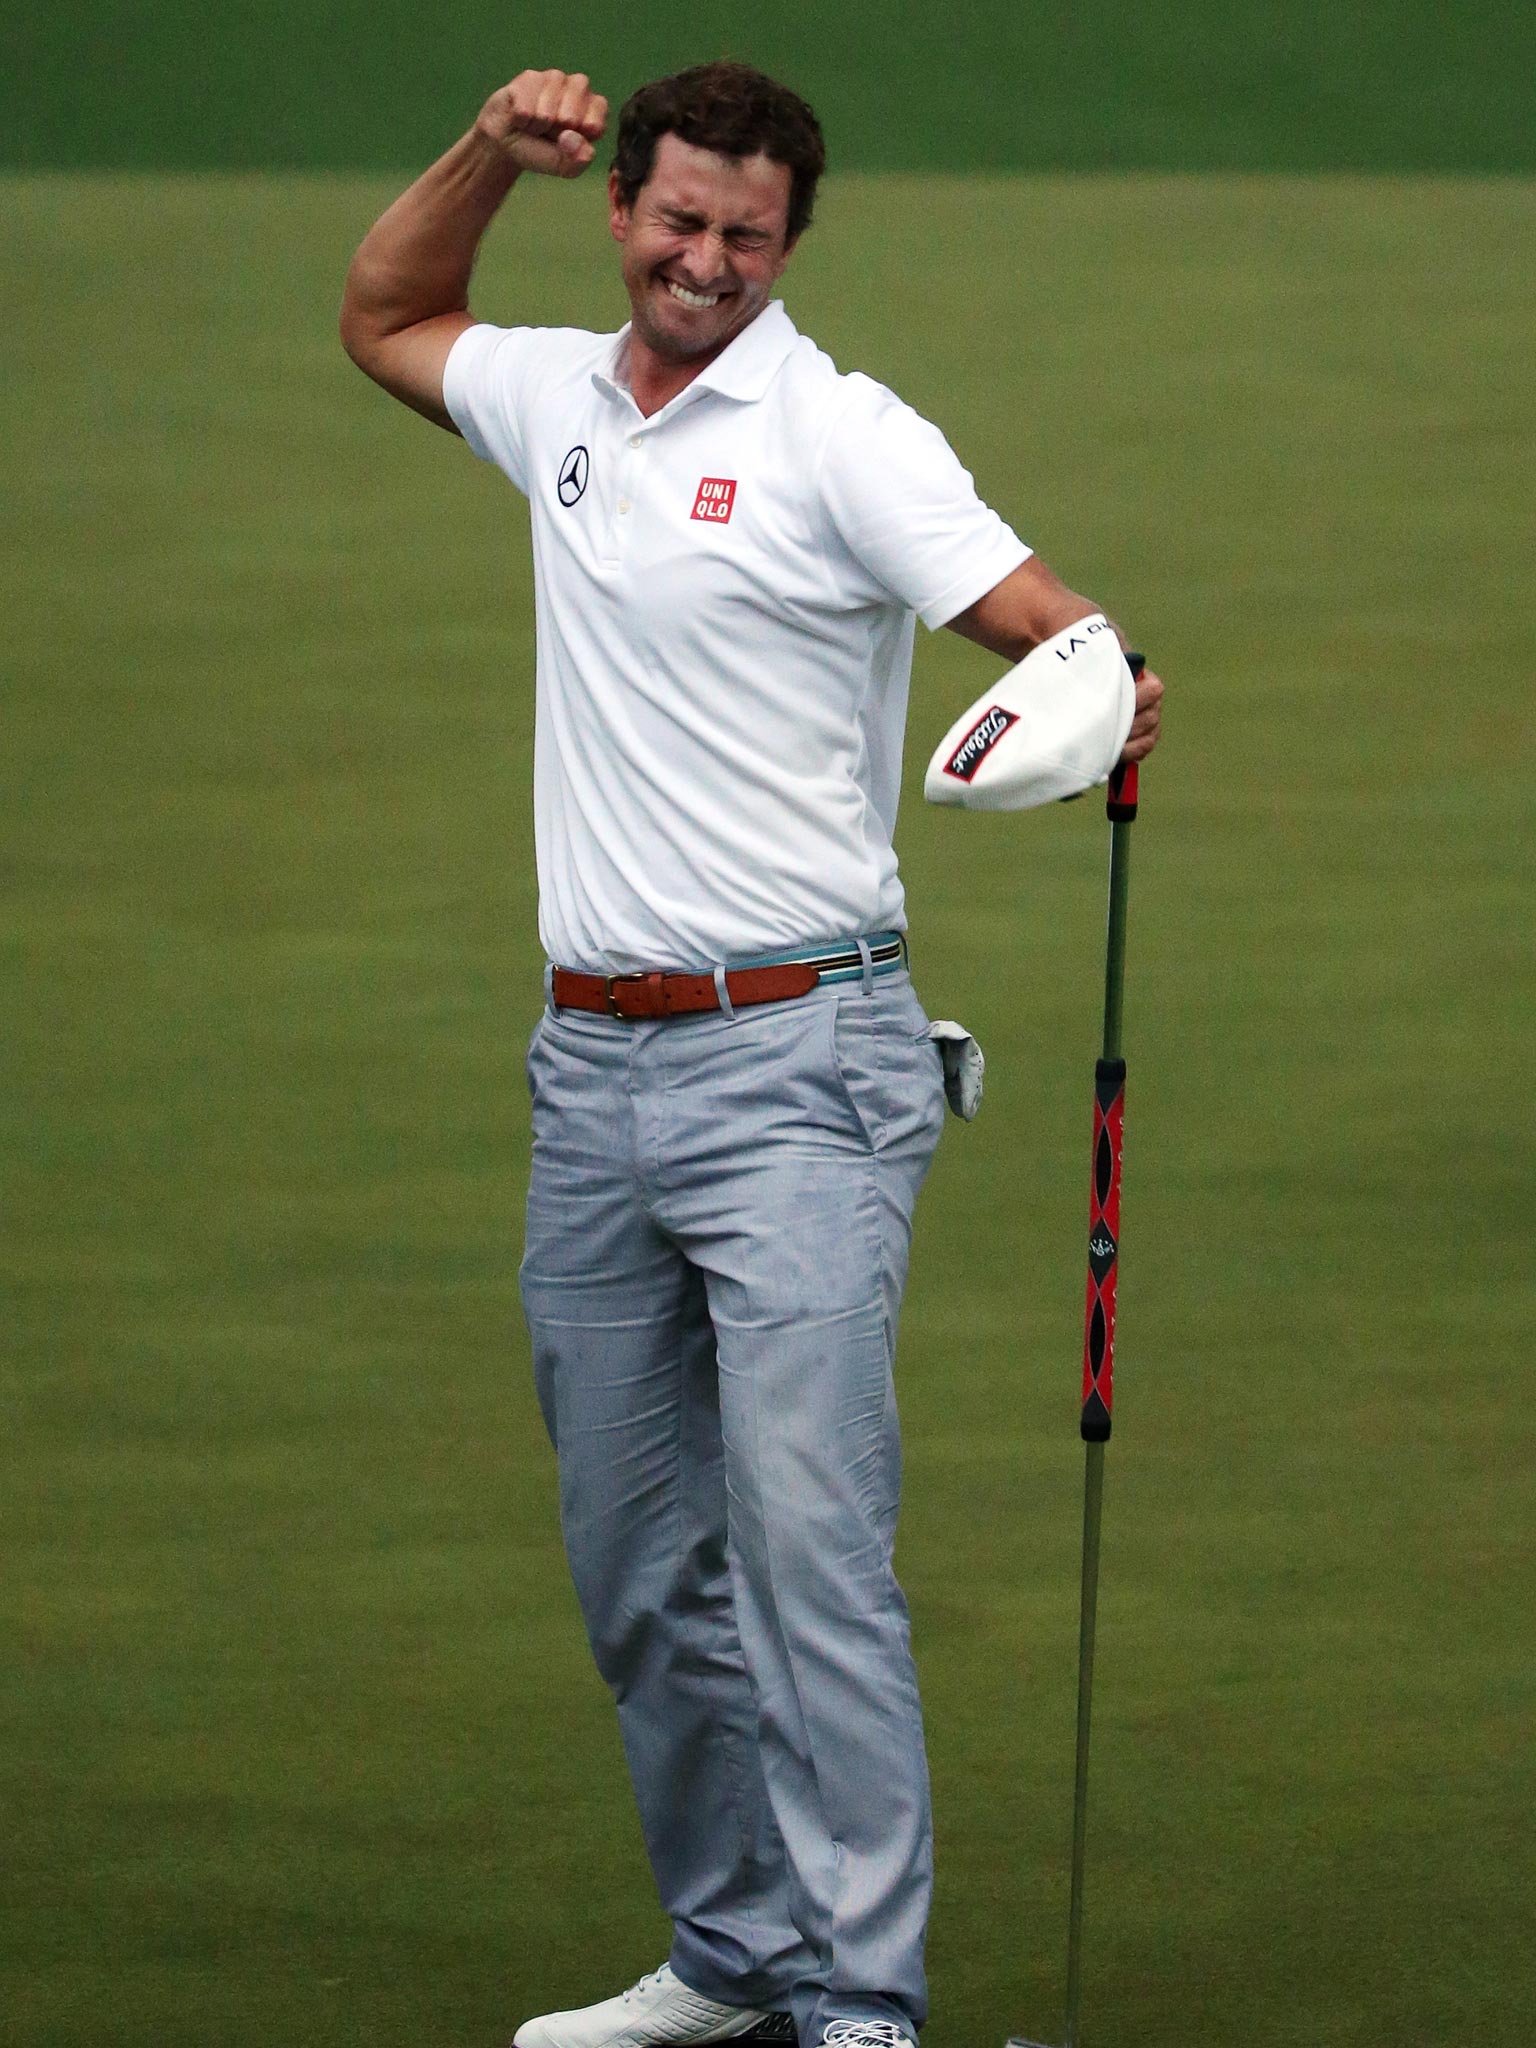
743 371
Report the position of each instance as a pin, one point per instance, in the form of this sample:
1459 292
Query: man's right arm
407 294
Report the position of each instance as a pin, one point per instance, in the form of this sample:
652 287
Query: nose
706 257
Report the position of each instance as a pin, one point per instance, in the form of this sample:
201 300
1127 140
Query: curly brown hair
733 110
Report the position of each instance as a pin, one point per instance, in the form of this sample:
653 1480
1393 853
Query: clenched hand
1148 721
546 121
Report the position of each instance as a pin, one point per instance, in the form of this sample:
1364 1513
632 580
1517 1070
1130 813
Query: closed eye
695 223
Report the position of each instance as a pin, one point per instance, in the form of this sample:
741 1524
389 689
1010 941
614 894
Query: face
704 244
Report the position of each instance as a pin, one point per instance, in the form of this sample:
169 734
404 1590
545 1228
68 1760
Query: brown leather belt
640 997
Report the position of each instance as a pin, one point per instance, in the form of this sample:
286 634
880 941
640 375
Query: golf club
1099 1338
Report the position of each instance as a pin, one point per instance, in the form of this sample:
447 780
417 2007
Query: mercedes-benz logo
573 475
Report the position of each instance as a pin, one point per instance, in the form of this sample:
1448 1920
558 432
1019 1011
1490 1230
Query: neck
655 382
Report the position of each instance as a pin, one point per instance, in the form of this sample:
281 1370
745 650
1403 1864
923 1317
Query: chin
672 346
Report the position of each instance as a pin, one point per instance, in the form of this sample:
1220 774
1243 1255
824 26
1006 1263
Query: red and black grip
1120 802
1103 1250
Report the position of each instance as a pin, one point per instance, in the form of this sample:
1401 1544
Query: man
735 1096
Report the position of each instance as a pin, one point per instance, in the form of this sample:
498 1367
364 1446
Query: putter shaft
1093 1509
1099 1365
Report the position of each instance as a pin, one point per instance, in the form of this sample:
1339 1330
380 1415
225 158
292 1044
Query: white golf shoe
865 2034
657 2011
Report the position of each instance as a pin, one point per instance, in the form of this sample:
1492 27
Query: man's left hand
1148 722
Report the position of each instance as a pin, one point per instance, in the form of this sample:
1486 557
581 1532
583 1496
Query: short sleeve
485 388
907 509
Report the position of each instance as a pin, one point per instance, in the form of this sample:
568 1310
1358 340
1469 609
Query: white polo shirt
725 596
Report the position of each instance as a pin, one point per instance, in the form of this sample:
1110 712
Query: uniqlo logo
715 497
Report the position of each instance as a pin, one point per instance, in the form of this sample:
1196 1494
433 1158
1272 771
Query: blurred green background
298 1737
1393 85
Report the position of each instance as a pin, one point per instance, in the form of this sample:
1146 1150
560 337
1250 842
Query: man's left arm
1028 606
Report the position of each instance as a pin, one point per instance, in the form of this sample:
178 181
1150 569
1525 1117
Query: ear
618 212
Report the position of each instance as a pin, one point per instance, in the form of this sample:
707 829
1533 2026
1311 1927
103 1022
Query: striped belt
778 979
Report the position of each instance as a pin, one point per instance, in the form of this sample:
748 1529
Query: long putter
1099 1337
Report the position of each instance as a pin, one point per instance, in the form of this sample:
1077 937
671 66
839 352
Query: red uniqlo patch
714 498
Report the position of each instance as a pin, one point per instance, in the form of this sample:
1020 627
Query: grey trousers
719 1217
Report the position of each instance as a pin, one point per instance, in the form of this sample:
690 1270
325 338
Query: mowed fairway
300 1743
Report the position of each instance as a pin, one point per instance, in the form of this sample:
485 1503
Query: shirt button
623 504
634 440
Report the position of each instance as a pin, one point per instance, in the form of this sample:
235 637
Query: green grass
298 1739
1291 85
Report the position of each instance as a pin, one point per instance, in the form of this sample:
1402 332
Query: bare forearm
1028 606
1032 605
415 261
407 297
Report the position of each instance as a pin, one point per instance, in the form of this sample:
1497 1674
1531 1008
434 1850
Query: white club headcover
1052 727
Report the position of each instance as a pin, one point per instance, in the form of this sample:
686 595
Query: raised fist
546 121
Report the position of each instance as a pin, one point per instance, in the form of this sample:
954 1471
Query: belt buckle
637 976
608 997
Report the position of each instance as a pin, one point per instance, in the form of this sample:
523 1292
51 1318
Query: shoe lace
654 1977
865 2034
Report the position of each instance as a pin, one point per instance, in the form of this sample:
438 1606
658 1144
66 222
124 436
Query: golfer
735 1096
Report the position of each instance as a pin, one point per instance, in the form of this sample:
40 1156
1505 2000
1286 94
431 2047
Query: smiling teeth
691 298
